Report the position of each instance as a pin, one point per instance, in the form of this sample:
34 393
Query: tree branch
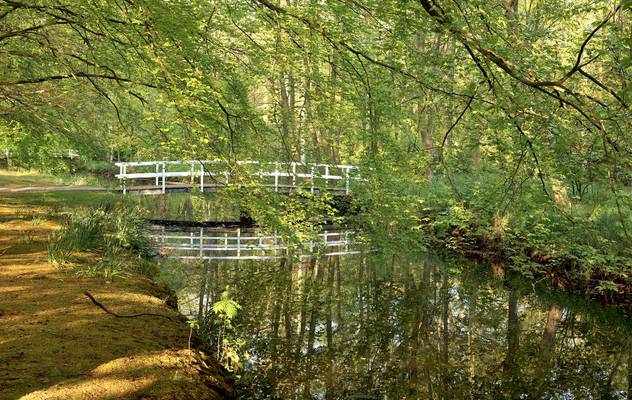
73 76
435 11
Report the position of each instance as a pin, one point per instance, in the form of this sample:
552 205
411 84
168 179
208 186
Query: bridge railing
206 174
247 245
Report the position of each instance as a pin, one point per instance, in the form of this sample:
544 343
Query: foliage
298 217
114 232
45 151
501 123
217 328
108 267
82 232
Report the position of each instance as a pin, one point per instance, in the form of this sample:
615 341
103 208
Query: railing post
226 178
122 172
202 177
192 174
238 242
201 238
157 172
294 175
347 180
276 176
312 173
274 244
164 178
326 176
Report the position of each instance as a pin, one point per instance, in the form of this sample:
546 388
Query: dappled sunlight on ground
14 288
169 374
102 388
56 344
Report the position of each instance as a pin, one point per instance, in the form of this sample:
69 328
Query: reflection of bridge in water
203 175
248 244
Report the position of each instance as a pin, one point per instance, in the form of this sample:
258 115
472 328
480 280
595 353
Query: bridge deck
187 187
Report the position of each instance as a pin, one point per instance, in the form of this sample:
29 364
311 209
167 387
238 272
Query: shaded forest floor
56 344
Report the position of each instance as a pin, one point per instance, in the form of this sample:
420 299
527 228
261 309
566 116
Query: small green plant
109 267
127 226
218 326
607 287
26 237
81 233
144 266
193 324
116 233
38 219
58 252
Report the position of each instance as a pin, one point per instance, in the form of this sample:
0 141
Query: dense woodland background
486 124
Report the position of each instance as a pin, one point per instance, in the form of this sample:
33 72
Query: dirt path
55 344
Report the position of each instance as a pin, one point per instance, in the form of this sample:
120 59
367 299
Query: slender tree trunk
445 332
329 379
510 365
311 335
203 291
333 132
471 329
629 396
287 304
547 349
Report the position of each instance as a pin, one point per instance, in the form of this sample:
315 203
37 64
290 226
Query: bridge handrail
294 170
217 246
297 163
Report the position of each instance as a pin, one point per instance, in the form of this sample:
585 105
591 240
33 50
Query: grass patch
58 201
16 179
112 230
19 179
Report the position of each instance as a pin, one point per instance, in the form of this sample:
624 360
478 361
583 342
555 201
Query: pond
401 326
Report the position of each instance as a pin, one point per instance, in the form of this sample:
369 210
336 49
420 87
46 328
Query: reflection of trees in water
372 326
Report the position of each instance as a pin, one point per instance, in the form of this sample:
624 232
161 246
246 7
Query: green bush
108 267
127 230
59 252
82 232
115 232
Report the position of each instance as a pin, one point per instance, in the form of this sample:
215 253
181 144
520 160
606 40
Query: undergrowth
580 243
113 232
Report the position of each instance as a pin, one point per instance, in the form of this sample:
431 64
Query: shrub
116 233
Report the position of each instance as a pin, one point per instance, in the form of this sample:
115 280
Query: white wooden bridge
247 244
205 175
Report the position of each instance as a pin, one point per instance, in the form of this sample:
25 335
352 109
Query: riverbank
607 282
580 246
56 344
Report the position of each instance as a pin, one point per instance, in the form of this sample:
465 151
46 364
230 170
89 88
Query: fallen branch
101 306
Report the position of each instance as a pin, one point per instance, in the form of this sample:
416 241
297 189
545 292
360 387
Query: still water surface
405 326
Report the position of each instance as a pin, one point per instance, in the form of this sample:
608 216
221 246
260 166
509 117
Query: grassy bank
15 179
55 343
